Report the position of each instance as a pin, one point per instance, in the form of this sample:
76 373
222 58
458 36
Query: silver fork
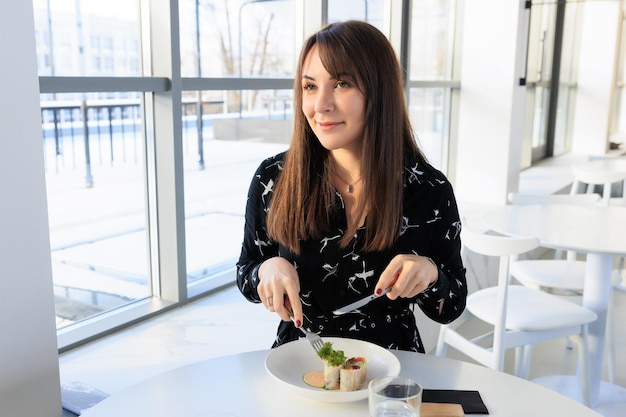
314 339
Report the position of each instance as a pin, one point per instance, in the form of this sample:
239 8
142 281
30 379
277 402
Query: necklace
349 187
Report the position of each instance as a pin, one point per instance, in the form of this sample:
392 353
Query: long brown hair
304 199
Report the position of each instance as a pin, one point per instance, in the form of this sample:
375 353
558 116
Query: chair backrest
582 199
504 248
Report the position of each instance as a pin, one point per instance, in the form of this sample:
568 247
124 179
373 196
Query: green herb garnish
333 357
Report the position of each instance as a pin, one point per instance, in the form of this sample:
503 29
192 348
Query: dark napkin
471 401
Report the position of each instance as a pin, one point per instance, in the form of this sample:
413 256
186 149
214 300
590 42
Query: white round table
239 386
614 165
595 230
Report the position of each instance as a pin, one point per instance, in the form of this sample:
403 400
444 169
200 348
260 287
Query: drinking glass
394 396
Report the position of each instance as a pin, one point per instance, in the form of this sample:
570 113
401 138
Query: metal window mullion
555 76
148 136
229 83
167 211
52 85
433 84
453 122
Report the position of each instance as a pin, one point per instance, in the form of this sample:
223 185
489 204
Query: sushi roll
331 375
352 375
333 361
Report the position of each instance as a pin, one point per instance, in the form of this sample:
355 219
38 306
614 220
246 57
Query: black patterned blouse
331 277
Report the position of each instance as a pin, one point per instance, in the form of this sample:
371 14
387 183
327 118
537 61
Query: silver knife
360 303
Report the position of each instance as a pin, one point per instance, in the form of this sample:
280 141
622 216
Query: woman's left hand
407 275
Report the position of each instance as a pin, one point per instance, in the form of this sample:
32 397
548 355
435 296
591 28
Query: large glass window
539 76
429 110
228 132
95 177
432 36
240 38
553 39
372 11
567 81
618 116
95 160
218 169
431 77
78 38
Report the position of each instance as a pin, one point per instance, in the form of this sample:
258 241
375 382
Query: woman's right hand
279 288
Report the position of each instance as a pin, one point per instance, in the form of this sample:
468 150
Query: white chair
559 276
518 316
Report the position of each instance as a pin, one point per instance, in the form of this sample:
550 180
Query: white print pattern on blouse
246 282
457 231
260 243
358 325
304 299
406 225
325 241
360 275
414 173
353 254
331 271
343 206
267 189
436 218
278 163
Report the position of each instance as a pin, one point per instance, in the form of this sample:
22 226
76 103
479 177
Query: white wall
488 155
29 370
595 76
492 103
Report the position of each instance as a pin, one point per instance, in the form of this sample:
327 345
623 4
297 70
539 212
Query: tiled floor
225 323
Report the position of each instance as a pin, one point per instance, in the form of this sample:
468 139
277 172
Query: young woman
353 207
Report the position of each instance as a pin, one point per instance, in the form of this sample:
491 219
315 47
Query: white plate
289 362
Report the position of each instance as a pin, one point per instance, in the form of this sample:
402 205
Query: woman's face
334 108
